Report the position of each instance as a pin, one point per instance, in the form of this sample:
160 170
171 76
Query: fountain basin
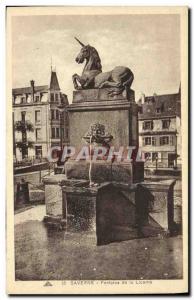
110 211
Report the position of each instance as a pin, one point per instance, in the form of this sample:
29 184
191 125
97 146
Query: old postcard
97 143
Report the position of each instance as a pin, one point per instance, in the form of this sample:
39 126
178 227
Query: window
37 116
57 114
165 124
147 155
164 140
148 125
52 114
23 116
147 141
171 160
62 133
53 133
56 97
153 141
172 140
38 134
52 97
62 115
57 132
38 151
154 156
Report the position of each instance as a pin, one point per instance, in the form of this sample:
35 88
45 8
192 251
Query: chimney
154 97
143 98
32 89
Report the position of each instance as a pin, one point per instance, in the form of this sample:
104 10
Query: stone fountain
106 198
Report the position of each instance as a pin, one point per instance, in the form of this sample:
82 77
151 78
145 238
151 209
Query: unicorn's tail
125 85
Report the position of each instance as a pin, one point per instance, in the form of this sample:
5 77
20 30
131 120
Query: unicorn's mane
96 58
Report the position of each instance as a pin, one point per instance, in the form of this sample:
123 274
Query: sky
148 44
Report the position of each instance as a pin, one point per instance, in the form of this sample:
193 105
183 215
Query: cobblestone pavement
42 254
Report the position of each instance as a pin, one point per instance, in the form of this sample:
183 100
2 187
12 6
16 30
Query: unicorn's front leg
76 78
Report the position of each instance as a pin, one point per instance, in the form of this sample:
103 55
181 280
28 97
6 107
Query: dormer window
22 100
158 110
29 99
37 98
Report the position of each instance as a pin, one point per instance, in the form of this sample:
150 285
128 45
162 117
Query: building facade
160 130
40 120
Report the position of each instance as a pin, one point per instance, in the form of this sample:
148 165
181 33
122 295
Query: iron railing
29 161
163 163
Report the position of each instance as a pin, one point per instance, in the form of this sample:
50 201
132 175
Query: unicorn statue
93 77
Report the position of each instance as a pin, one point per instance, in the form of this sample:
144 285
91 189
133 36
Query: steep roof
28 90
54 84
160 106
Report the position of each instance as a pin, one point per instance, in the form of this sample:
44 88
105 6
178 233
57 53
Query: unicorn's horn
79 42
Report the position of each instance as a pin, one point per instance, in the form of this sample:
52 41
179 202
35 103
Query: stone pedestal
118 113
53 200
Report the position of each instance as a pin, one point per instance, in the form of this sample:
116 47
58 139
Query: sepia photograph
97 143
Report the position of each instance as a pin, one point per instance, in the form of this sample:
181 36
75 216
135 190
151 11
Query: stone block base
56 222
111 211
103 171
53 195
160 199
37 196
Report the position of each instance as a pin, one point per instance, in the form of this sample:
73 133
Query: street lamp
61 108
